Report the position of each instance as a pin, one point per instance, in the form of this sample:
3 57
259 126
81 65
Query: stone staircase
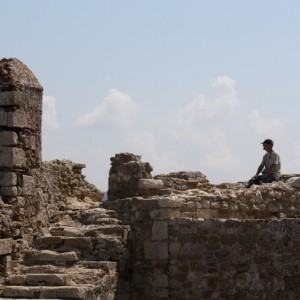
76 258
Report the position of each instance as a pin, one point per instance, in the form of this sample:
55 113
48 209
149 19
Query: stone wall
191 239
29 189
125 174
185 238
176 254
58 185
20 127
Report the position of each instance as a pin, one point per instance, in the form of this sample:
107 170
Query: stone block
164 214
205 203
205 213
160 279
171 202
8 179
41 279
160 231
28 185
3 118
156 250
51 241
187 214
47 255
7 265
21 291
11 157
9 191
160 293
8 138
145 184
6 246
18 119
78 242
145 203
13 98
64 292
294 182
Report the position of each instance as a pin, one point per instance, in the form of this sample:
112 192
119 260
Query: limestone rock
294 182
15 74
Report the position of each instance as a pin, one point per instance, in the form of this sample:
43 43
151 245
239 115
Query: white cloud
117 108
228 100
145 144
49 112
266 126
291 162
196 115
204 134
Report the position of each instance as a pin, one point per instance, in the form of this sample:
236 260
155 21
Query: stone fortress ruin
173 236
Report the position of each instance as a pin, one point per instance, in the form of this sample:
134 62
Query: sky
190 85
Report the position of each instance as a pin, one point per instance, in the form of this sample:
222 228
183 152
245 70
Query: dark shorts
258 180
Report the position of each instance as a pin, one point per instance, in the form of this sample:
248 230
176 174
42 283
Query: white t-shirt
269 159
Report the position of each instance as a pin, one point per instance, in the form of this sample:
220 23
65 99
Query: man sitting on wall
270 166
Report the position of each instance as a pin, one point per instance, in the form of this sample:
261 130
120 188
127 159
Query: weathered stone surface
12 157
6 246
125 174
28 185
3 118
8 179
156 250
182 181
41 279
21 292
294 182
15 74
10 191
8 138
150 184
160 231
78 242
42 292
183 239
47 255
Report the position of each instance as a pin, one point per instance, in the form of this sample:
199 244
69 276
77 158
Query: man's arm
259 169
270 171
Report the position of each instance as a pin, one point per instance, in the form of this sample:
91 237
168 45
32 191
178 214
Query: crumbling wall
125 174
31 191
20 128
189 239
175 254
20 146
197 240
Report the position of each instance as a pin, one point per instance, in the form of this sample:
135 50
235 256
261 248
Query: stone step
80 266
114 230
40 279
84 273
100 247
51 256
44 292
94 216
90 230
56 242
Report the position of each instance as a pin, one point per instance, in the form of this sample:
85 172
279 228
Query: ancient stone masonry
198 240
125 175
166 237
20 128
55 240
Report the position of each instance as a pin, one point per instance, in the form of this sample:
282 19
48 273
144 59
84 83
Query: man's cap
268 141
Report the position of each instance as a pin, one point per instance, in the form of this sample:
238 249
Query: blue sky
188 85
